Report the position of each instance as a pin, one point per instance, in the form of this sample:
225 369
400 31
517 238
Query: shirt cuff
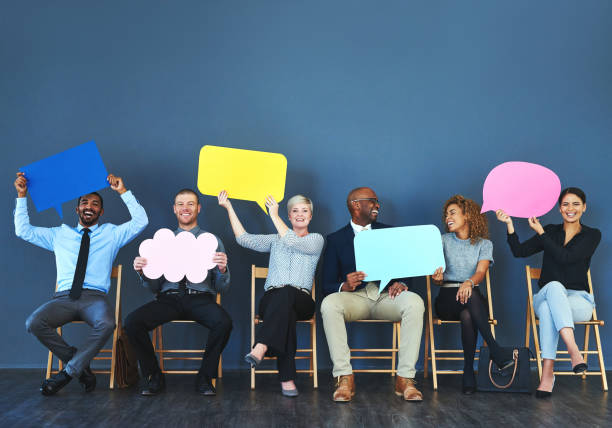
21 202
341 284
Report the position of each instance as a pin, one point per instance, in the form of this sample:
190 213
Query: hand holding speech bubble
521 189
178 256
245 174
398 252
65 176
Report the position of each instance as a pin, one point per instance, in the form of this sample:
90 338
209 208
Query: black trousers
200 308
280 309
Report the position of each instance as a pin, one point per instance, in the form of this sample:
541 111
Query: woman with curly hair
467 254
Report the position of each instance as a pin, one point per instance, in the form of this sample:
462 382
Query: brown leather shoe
345 388
405 387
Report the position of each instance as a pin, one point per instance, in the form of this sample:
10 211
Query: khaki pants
366 303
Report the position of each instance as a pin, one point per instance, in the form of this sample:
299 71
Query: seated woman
294 254
467 254
564 290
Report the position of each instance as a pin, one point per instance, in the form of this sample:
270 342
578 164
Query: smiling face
572 208
89 209
455 219
364 206
186 209
300 216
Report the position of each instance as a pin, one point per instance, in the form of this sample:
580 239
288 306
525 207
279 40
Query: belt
450 284
275 287
175 291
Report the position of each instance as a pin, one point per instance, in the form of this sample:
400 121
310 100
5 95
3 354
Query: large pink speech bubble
521 189
178 256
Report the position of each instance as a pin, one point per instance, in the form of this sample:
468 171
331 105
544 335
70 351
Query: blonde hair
299 199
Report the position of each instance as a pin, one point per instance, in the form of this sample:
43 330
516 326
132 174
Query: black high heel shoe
580 368
468 384
544 394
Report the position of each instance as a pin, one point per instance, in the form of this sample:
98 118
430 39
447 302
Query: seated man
84 258
350 299
183 300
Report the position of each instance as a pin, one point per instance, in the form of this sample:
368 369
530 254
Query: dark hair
574 191
92 193
187 191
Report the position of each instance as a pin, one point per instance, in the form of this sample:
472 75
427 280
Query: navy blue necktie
79 272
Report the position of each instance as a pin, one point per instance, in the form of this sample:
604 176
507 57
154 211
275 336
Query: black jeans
200 308
280 309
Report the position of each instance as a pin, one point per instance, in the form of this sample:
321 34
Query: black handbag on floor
516 378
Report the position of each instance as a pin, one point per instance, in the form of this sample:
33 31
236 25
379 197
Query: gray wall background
419 100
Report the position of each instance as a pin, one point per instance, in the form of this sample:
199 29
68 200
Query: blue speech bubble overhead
65 176
398 252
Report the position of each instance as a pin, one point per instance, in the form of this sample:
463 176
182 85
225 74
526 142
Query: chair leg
220 369
426 359
434 372
49 365
394 352
315 377
585 355
602 366
160 347
536 342
114 357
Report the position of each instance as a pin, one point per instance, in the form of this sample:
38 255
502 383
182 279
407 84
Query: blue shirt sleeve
43 237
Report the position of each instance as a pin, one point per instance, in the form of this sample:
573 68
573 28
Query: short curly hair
477 222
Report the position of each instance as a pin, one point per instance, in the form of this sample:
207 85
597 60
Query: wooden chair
381 353
532 322
192 354
116 274
301 354
429 336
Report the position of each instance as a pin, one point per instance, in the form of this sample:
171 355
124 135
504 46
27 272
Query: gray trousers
92 308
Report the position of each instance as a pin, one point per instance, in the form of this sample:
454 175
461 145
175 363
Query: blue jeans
557 308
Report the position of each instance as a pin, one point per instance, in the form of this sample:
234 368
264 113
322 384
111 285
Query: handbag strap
515 358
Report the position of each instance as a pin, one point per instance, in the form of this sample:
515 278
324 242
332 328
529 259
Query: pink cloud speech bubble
178 256
521 189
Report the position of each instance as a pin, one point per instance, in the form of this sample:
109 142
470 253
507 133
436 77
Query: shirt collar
195 230
80 227
357 228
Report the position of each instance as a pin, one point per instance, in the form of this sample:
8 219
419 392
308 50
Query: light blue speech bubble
65 176
398 252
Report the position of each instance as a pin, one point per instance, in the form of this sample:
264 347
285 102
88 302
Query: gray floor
575 403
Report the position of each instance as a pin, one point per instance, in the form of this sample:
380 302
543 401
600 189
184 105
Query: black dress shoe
204 386
153 384
579 368
55 383
88 380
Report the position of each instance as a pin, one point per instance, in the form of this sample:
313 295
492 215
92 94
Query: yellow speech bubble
245 174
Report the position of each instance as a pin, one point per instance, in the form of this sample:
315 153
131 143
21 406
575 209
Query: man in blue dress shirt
84 258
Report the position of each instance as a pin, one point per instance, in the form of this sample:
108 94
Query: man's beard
89 222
